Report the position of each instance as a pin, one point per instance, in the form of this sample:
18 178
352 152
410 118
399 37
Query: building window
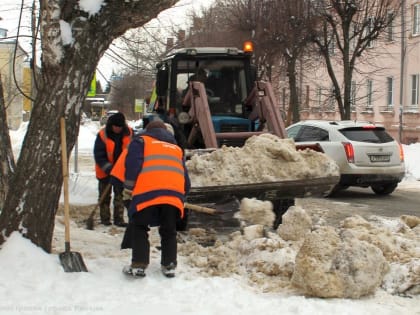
416 19
390 91
319 96
370 28
353 96
331 45
390 28
369 94
415 89
3 33
331 100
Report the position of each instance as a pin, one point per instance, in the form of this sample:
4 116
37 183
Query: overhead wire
117 58
34 39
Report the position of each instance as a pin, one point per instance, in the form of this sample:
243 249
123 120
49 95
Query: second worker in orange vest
110 142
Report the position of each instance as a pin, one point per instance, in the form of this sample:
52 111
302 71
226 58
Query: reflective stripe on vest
161 180
110 147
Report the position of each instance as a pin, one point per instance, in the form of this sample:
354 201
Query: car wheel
384 189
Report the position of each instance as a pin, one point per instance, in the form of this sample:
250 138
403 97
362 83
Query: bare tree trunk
345 23
7 162
67 69
294 98
38 171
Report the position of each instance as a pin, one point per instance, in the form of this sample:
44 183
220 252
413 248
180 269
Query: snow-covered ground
33 282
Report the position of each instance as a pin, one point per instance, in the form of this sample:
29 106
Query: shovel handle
200 208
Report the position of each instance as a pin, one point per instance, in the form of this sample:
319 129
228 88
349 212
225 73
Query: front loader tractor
211 97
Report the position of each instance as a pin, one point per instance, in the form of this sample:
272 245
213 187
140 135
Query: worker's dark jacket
156 171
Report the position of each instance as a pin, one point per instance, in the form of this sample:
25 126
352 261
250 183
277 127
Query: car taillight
369 127
348 148
401 152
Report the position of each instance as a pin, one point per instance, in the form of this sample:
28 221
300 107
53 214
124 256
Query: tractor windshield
224 80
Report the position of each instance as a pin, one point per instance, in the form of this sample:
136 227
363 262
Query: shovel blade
227 206
72 262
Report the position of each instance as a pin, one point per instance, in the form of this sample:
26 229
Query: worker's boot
119 217
135 269
105 214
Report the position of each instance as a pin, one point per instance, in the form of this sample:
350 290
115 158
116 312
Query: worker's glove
127 194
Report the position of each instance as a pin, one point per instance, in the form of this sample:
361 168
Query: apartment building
386 86
14 70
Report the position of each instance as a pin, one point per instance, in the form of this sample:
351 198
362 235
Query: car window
370 135
311 133
293 131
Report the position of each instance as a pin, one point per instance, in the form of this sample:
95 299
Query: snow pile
333 264
400 245
350 261
412 167
263 158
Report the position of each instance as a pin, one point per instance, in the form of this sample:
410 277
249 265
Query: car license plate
379 158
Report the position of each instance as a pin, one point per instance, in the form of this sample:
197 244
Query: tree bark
67 70
7 162
294 98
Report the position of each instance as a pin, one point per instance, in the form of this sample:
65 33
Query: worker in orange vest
157 181
110 142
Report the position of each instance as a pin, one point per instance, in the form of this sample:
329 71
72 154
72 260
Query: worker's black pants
166 217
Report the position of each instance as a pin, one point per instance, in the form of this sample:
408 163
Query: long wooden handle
200 208
101 200
65 169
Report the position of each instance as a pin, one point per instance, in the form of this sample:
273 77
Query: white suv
365 153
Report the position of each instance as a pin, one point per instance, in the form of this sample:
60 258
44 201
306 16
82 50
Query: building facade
14 71
386 86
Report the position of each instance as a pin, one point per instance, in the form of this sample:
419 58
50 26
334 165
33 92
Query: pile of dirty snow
352 260
263 158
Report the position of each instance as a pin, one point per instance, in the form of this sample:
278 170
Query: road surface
362 201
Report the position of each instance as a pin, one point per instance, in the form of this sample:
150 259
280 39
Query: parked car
365 153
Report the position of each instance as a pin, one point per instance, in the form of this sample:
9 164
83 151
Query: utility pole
402 70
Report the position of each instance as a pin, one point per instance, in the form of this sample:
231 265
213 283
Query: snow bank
350 261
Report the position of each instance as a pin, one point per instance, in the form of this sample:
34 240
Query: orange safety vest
161 179
110 146
118 170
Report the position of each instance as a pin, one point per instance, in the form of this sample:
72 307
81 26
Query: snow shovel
223 210
90 222
71 261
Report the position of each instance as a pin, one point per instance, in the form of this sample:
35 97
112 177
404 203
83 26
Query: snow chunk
91 6
333 265
296 222
257 211
66 35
